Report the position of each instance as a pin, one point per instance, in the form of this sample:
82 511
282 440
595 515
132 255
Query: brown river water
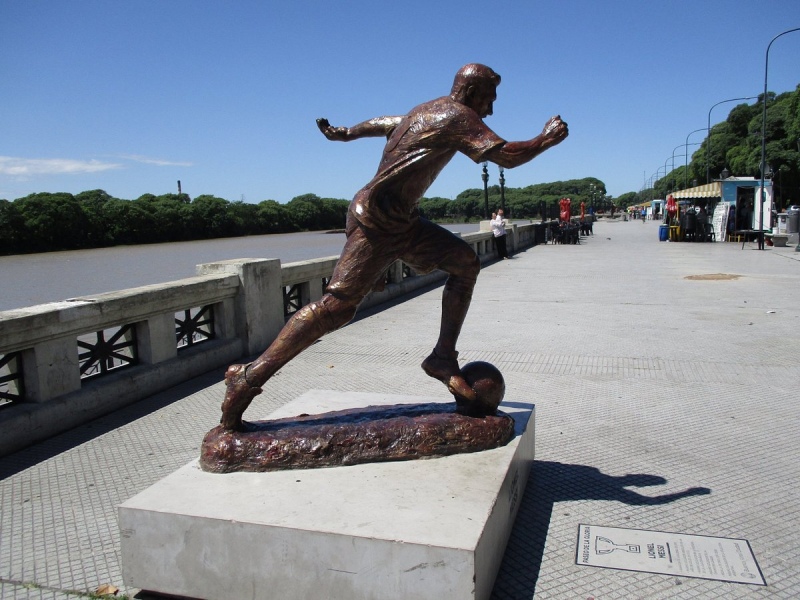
30 279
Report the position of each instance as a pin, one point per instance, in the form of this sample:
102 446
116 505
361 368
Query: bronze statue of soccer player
383 225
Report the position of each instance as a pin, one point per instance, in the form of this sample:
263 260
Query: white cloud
30 167
156 161
26 167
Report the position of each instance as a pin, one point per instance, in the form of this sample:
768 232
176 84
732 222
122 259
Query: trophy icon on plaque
603 545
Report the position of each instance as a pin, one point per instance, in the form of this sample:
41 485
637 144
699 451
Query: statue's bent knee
467 273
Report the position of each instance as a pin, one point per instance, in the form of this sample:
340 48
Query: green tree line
94 219
45 222
520 203
735 145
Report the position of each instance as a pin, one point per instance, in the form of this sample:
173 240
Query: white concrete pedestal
434 528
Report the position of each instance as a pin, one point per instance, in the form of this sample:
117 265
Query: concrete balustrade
258 304
246 297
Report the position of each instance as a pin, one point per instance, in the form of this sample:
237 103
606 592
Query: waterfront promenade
640 359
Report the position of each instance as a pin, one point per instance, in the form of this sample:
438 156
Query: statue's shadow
552 482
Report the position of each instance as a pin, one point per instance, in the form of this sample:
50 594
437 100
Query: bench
778 239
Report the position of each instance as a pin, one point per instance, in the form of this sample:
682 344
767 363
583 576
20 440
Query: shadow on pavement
552 482
63 442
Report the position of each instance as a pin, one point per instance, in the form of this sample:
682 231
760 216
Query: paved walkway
635 368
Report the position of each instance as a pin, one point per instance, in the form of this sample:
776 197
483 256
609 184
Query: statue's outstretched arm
377 127
514 154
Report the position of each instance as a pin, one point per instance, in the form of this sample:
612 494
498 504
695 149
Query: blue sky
131 96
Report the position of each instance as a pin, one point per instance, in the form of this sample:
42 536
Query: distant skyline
131 97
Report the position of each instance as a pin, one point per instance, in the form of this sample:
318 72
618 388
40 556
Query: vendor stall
732 206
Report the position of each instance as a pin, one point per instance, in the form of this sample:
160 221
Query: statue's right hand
555 129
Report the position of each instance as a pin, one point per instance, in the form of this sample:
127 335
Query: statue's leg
360 265
437 248
442 363
307 325
239 393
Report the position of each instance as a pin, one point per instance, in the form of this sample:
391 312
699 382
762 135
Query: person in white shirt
499 231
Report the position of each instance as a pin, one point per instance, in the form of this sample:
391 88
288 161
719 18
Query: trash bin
780 224
793 218
663 233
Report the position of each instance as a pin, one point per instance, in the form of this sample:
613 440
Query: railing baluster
197 325
106 355
11 383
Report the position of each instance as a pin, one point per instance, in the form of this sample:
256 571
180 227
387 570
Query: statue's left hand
336 134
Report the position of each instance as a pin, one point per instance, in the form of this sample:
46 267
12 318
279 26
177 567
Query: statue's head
475 86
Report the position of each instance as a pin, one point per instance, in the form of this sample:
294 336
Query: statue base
353 436
393 530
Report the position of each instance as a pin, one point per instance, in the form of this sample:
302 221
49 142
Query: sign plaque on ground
681 555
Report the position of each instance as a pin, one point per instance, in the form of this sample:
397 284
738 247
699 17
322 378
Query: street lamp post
685 156
672 184
665 168
686 151
656 178
708 134
650 184
485 177
502 190
686 161
762 198
672 158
